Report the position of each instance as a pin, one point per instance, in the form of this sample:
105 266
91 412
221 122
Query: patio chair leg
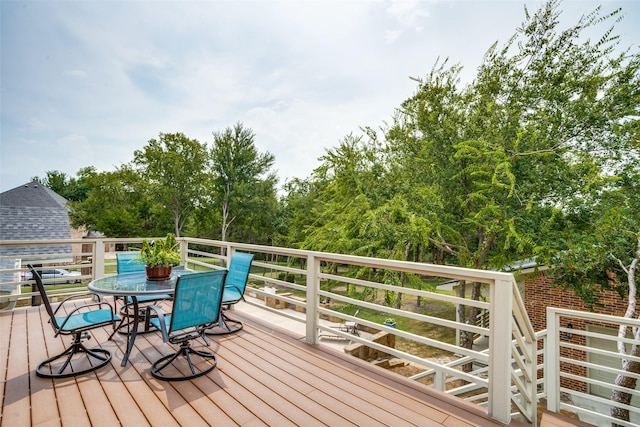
103 356
186 351
225 326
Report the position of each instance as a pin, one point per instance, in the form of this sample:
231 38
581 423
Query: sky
86 83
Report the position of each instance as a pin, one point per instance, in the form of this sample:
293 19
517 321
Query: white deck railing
502 378
578 342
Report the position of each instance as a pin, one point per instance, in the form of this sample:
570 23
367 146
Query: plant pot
158 272
390 324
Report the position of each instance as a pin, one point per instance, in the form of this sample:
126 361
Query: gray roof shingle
34 212
32 194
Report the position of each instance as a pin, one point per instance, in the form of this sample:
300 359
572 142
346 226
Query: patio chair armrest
70 297
161 321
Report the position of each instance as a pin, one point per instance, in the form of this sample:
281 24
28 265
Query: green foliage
517 164
70 188
344 191
175 169
160 252
596 242
118 204
295 212
242 195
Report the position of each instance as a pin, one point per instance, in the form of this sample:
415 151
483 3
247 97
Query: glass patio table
134 286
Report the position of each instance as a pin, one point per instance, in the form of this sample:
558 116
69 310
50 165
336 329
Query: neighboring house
539 292
32 212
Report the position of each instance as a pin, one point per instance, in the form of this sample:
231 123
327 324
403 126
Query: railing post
228 254
36 300
500 319
98 259
439 382
552 361
313 267
183 249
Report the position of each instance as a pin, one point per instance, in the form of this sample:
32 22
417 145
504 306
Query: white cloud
408 13
392 36
75 73
38 125
87 83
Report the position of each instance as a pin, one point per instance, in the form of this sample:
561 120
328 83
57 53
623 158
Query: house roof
34 212
32 194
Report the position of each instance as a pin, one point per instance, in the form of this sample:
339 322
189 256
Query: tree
598 248
628 365
295 212
345 190
118 204
68 187
175 167
242 185
500 155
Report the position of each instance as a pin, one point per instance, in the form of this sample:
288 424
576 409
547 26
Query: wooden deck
265 377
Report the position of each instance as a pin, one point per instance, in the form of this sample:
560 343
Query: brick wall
539 293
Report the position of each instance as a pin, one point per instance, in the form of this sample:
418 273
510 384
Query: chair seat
196 318
86 319
127 313
231 295
156 322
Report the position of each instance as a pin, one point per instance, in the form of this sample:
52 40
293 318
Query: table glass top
136 283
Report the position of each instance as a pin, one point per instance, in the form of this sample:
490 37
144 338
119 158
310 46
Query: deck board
46 408
357 390
5 335
17 391
550 419
265 376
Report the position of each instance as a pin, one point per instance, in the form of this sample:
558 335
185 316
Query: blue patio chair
196 306
234 286
129 262
76 323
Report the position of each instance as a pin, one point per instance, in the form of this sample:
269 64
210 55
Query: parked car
56 275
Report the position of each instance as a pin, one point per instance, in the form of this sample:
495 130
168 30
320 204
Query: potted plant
160 256
390 322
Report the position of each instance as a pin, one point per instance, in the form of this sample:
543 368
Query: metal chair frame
128 262
77 323
234 287
197 305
